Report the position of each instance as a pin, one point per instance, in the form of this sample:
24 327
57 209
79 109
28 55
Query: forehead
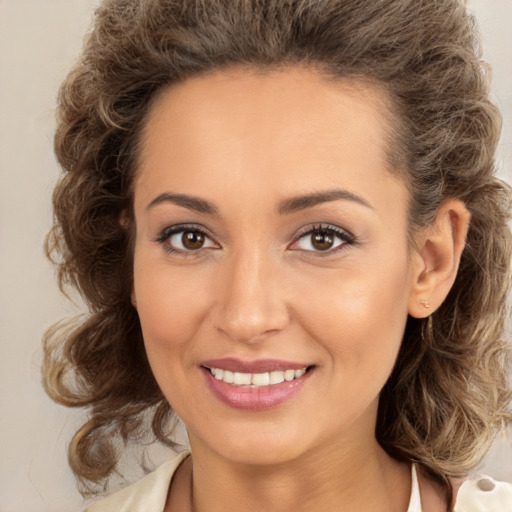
302 98
288 128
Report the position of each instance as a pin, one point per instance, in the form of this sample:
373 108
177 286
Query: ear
124 219
436 258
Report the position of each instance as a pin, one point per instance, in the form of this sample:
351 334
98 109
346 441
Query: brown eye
184 239
192 240
321 240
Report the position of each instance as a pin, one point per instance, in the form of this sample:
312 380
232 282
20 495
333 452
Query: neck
330 478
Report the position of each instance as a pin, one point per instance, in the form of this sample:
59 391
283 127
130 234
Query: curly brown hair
448 393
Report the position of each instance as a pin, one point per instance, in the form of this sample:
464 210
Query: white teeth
228 377
261 379
289 374
256 379
276 377
241 379
217 373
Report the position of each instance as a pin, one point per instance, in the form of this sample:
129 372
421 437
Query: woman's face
270 238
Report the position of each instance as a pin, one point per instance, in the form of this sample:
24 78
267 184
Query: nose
251 305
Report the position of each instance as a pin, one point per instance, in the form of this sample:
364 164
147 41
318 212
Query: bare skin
181 499
280 491
241 151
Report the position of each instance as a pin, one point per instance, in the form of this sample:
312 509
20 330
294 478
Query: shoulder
147 495
483 494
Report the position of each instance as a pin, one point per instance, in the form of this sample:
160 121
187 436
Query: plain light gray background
38 41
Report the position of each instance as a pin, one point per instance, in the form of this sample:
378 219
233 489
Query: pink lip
261 366
253 399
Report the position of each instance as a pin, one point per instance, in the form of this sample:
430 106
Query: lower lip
254 399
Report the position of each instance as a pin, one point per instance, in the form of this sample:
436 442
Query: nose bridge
250 304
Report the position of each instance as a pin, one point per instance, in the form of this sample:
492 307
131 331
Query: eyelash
347 238
166 234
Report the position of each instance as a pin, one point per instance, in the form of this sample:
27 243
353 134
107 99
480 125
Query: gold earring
425 304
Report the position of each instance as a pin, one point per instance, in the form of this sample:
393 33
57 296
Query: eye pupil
192 240
322 241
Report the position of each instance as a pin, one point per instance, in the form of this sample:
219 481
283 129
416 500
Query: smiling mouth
255 385
257 380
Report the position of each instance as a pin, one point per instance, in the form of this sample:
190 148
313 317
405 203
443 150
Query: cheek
359 315
170 304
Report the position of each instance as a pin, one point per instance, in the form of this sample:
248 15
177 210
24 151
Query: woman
284 219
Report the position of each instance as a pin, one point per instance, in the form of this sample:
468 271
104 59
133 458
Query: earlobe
436 258
124 220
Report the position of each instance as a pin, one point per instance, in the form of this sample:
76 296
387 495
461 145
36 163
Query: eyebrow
296 204
285 207
190 202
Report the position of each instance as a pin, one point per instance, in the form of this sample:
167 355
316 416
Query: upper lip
259 366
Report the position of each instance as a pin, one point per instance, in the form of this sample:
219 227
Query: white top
477 494
415 500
